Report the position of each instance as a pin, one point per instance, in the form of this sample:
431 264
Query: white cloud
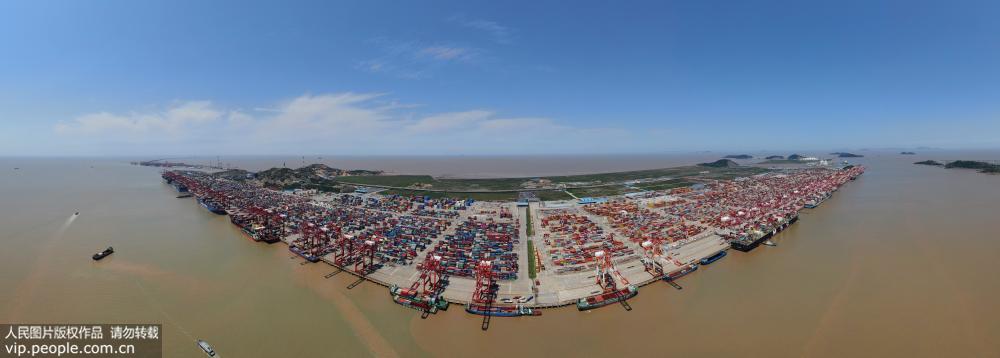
416 60
341 123
449 121
173 121
500 33
446 53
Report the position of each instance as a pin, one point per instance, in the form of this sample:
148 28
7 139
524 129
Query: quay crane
425 292
652 249
485 294
615 287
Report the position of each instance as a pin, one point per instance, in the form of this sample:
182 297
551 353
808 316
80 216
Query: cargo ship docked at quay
748 242
412 299
258 225
607 298
501 311
689 268
211 206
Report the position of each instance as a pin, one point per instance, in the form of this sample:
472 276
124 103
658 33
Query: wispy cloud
416 60
500 33
349 123
446 53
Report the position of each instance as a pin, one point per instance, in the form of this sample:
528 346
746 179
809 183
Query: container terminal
433 252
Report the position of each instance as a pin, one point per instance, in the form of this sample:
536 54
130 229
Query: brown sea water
900 262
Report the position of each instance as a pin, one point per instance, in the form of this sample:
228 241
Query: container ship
502 311
309 257
212 206
254 231
409 298
680 273
747 242
713 258
607 298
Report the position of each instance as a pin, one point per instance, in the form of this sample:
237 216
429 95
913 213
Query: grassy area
513 184
550 195
602 191
388 180
529 229
445 194
664 185
531 260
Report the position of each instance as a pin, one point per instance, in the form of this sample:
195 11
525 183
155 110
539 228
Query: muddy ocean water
901 262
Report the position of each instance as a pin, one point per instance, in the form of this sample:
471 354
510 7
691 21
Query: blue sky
466 77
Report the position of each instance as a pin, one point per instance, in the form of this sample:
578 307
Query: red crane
485 291
366 256
652 249
608 276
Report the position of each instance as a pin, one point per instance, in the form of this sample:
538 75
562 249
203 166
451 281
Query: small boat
103 254
207 348
713 258
770 243
77 213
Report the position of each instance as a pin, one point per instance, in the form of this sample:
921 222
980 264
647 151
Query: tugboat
770 243
100 255
207 348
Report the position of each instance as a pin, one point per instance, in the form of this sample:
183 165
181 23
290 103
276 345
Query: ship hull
501 311
670 277
602 300
718 256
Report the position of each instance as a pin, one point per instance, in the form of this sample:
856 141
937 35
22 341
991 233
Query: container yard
430 252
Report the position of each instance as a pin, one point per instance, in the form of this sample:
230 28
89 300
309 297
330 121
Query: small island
739 156
792 159
907 153
983 167
721 163
846 155
929 162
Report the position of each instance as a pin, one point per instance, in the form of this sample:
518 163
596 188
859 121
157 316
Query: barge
100 255
410 299
670 277
713 258
502 311
607 298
